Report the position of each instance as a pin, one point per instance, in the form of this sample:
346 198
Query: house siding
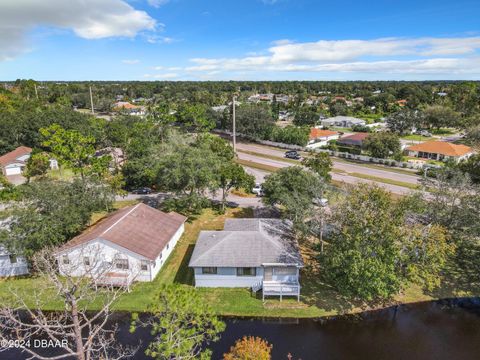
226 277
105 251
9 269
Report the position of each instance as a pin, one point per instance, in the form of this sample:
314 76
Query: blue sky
248 39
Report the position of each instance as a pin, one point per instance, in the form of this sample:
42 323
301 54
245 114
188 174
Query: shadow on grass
184 274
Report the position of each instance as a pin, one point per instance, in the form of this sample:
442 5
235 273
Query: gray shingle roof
247 243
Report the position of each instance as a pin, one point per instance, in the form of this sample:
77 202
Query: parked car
258 190
424 133
292 154
142 191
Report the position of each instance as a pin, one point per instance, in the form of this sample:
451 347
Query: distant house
401 103
250 253
14 162
133 243
126 107
342 121
318 137
11 264
440 150
353 140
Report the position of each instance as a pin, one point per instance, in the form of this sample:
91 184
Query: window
13 259
65 260
86 261
121 264
209 270
246 271
168 245
285 271
144 265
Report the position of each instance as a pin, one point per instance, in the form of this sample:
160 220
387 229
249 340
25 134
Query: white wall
15 269
166 252
101 252
226 277
14 169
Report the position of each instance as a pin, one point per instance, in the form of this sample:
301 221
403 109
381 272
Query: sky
239 40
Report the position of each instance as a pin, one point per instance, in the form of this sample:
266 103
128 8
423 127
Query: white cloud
130 61
89 19
388 55
156 39
157 3
346 50
162 76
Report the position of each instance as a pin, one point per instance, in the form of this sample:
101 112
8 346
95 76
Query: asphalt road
339 165
157 198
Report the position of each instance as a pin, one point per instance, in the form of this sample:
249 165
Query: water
434 330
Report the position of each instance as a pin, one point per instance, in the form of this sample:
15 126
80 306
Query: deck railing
273 288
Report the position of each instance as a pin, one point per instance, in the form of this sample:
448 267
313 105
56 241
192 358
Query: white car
258 190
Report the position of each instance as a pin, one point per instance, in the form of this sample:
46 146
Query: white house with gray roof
342 121
261 254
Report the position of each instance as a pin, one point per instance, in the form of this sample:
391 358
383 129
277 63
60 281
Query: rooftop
441 147
138 228
10 157
318 133
247 243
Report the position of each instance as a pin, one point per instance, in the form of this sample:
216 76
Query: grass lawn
415 137
385 181
61 174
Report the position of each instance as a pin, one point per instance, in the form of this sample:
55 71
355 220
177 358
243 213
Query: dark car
142 191
292 154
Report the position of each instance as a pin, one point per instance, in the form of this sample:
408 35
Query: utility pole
36 91
91 100
234 127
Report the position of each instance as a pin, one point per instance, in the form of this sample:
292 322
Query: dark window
13 259
65 259
247 271
144 265
121 264
209 270
86 261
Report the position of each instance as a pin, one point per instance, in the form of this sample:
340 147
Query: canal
432 330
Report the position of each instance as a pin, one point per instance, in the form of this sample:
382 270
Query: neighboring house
14 162
133 243
318 137
342 121
250 253
440 150
353 140
12 265
126 107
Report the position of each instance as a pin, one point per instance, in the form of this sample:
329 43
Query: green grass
256 165
385 181
443 131
61 174
415 137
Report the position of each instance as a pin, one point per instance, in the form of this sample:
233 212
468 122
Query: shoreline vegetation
318 300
